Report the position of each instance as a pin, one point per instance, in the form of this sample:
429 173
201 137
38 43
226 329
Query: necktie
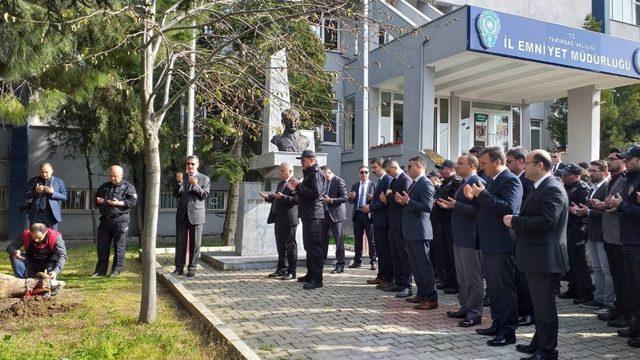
592 192
362 195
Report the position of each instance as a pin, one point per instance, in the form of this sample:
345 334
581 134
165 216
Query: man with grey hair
190 216
284 216
114 199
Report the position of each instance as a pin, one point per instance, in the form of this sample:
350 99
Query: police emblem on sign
636 60
488 26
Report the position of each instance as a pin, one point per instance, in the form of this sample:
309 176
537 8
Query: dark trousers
442 244
579 275
422 269
335 228
111 232
45 217
383 250
525 304
499 271
632 271
621 284
543 293
401 267
287 247
362 225
313 245
189 238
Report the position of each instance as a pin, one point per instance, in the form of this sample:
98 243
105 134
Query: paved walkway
350 320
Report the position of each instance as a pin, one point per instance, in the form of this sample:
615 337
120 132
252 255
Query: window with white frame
77 199
536 134
349 122
627 11
329 131
391 114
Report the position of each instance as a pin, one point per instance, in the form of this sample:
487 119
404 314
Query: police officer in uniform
114 199
441 222
579 275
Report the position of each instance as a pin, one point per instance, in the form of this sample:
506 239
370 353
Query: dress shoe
608 317
383 285
592 303
490 331
375 281
583 300
525 320
440 286
628 333
312 284
568 295
355 265
619 322
305 278
392 287
427 305
97 274
276 274
502 341
634 342
604 310
527 349
374 265
177 272
338 270
450 290
288 276
539 356
457 314
404 293
191 273
469 322
114 273
414 299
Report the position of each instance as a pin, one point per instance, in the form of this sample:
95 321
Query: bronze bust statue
291 139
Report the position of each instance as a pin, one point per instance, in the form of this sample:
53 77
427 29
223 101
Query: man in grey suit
335 213
361 194
541 250
417 233
190 216
603 296
284 216
465 245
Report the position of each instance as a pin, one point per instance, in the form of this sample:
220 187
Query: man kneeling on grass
38 249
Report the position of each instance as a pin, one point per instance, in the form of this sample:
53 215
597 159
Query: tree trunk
87 162
231 221
148 304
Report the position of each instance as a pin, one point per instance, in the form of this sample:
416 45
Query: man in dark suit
502 196
515 162
378 210
190 215
540 232
335 213
441 221
417 232
361 195
311 212
465 245
604 295
580 287
401 269
284 216
46 194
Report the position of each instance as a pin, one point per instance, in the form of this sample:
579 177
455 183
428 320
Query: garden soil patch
33 307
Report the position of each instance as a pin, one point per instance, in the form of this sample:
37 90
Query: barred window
167 201
217 200
77 199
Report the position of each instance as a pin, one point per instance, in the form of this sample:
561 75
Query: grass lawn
102 320
349 240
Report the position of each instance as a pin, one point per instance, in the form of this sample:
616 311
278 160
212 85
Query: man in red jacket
38 249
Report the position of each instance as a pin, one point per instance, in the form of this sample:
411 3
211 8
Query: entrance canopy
512 59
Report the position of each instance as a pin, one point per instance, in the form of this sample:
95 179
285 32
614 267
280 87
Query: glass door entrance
491 128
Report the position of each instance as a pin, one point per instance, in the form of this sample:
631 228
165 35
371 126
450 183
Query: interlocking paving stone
351 320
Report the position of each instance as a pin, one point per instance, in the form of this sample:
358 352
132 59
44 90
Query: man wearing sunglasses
361 194
190 215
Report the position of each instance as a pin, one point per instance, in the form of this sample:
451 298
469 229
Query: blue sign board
503 34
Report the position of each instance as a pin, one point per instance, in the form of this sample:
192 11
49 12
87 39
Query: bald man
114 199
45 194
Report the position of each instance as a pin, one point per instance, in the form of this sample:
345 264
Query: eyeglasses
364 172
